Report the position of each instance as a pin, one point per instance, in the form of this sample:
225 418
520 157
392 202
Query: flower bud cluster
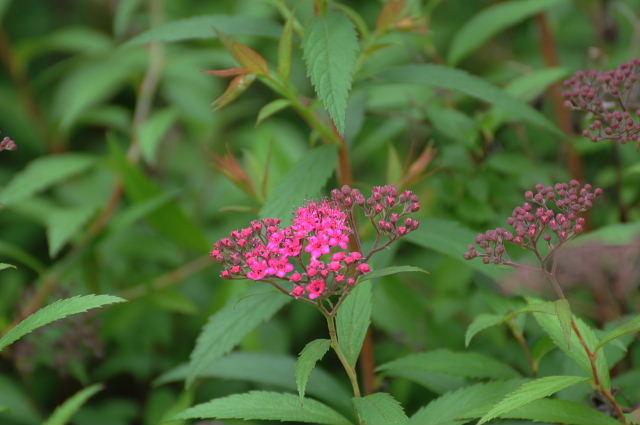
7 144
551 213
611 99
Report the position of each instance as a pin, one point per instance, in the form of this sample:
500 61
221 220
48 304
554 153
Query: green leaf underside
380 409
270 369
309 356
450 238
226 328
449 408
464 364
272 108
66 410
353 319
560 411
456 79
630 327
574 349
4 266
529 392
305 180
42 173
205 26
489 22
386 271
265 405
330 50
479 324
56 311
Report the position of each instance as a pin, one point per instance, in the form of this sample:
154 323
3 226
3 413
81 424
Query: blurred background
146 176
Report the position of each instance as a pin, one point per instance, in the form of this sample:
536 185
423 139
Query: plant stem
523 343
351 372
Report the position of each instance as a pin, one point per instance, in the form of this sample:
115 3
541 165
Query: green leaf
375 274
168 219
465 364
3 409
531 391
380 409
455 79
450 238
153 130
284 50
272 108
226 328
560 411
43 173
630 327
563 311
124 12
309 356
56 311
305 180
64 224
454 124
269 369
264 405
205 26
447 409
352 321
66 410
330 50
4 266
490 22
480 323
552 327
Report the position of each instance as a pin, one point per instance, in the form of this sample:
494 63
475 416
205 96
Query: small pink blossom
364 268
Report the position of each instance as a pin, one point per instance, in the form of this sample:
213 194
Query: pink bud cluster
551 214
610 97
320 232
7 145
386 207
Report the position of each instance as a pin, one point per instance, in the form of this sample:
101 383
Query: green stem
351 372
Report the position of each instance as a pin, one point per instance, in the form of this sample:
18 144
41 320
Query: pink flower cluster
7 144
537 220
320 232
610 98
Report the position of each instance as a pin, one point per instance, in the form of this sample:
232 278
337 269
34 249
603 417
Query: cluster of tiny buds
551 214
7 144
610 99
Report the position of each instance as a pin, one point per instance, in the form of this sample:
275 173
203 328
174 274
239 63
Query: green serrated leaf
309 356
168 219
464 364
452 407
491 21
66 410
563 311
353 319
529 392
305 180
264 405
56 311
386 271
480 323
380 409
560 411
43 173
456 79
553 328
269 369
64 224
272 108
226 328
330 50
205 26
630 327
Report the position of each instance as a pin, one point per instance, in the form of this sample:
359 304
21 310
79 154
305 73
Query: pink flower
298 291
364 268
316 288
